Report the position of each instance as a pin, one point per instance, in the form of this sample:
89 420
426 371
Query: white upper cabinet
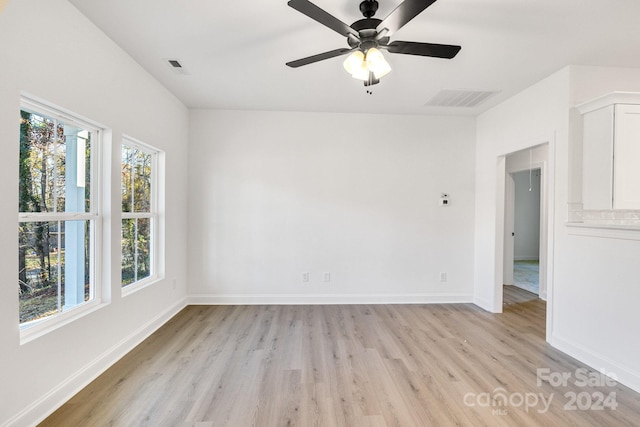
597 159
626 155
611 152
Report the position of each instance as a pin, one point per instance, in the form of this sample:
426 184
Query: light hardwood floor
343 365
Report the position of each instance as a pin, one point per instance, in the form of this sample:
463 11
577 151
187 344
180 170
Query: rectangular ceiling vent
176 66
459 98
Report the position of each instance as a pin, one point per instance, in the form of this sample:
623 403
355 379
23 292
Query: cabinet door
626 152
597 160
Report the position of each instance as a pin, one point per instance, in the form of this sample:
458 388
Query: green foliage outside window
137 214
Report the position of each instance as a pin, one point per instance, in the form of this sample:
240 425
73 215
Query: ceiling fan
366 37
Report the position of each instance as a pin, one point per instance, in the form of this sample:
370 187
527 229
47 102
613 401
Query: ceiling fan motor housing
366 29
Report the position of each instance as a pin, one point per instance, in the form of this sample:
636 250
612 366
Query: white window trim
33 329
37 328
153 215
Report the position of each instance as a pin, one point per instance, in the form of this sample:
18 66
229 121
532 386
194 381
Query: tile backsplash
603 217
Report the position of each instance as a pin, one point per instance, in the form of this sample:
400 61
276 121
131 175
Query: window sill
140 284
37 328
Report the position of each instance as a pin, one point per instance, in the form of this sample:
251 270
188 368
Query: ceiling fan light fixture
353 61
356 66
359 64
376 63
361 73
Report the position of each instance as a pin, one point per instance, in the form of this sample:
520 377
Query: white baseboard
624 375
47 404
484 304
305 299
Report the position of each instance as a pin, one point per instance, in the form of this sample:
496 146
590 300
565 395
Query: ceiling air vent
176 66
459 98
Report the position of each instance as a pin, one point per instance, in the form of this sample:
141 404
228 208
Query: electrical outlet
326 276
305 276
443 276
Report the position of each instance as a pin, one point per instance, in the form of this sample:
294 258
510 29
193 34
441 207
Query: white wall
537 115
597 279
527 216
48 49
593 284
274 194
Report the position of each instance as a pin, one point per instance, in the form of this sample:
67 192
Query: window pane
144 248
54 165
128 251
126 180
53 267
142 182
136 249
136 180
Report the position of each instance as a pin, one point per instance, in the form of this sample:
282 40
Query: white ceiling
235 51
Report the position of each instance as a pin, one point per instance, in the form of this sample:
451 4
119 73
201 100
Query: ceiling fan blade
402 14
326 19
319 57
446 51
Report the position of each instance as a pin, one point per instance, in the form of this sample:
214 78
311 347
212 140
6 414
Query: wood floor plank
349 365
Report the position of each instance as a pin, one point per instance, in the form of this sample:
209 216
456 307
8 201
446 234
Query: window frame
35 328
153 215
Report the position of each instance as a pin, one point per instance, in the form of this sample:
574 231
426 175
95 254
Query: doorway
526 230
531 156
525 220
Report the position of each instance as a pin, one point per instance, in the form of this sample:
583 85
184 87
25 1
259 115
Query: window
139 212
57 213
